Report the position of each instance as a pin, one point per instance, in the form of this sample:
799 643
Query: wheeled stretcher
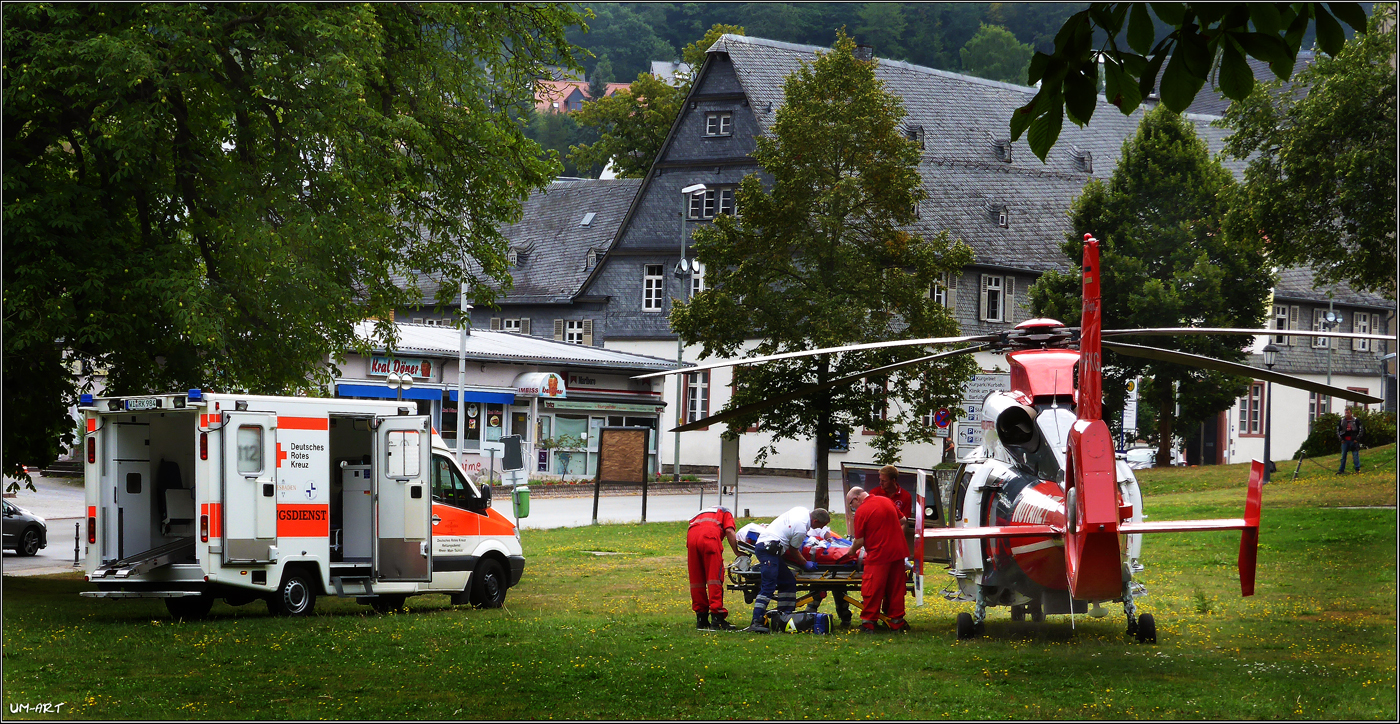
836 579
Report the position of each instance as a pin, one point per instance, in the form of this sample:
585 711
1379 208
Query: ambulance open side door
403 501
249 486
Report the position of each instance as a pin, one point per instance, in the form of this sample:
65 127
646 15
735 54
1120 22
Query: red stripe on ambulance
303 423
303 521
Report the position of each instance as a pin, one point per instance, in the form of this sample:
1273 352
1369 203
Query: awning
383 392
504 398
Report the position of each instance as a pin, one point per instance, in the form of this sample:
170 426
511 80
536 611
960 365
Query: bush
1377 428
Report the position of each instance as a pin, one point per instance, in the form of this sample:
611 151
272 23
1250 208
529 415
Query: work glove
809 566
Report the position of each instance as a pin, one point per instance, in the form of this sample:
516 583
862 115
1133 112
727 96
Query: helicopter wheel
965 628
1018 613
1132 626
1146 629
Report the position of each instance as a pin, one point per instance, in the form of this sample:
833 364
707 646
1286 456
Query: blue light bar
85 400
196 395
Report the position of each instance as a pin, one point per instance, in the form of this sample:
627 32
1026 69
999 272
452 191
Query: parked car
25 532
1141 458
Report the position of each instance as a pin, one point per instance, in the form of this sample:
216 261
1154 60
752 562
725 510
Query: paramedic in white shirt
782 538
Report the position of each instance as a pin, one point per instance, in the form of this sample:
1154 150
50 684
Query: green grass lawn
588 636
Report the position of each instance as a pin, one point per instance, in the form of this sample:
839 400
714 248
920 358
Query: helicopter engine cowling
1013 422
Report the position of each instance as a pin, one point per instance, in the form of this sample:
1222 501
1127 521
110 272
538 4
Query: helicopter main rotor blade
1173 331
811 389
826 350
1220 365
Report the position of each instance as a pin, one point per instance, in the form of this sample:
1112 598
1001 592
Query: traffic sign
942 417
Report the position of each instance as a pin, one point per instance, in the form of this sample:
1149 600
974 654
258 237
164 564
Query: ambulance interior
352 499
152 505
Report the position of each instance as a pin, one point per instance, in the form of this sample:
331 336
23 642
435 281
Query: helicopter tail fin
1249 535
1248 526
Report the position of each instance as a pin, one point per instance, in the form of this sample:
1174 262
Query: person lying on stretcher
822 546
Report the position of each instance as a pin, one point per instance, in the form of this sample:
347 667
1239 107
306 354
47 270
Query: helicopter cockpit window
1055 424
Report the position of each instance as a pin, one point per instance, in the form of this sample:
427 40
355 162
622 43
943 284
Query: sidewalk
59 501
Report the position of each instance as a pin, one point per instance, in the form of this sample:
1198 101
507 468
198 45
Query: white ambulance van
193 497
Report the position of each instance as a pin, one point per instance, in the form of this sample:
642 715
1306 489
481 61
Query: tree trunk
1166 410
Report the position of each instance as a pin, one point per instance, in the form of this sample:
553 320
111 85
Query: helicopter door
928 515
403 502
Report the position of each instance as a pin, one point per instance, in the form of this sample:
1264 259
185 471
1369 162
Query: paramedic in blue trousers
843 608
705 563
783 538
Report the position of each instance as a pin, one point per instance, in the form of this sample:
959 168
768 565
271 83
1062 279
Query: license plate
143 403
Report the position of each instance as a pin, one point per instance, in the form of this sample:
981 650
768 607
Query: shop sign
602 406
540 384
418 368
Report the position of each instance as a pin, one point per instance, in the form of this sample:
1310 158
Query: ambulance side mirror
485 496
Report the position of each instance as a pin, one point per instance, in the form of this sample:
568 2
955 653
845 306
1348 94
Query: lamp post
683 272
1330 321
1270 359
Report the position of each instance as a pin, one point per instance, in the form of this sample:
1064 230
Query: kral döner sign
417 368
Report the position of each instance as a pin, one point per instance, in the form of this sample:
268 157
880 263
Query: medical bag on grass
804 622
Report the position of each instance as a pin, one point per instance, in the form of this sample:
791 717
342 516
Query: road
60 501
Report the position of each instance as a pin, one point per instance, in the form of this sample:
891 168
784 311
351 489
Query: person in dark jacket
1349 432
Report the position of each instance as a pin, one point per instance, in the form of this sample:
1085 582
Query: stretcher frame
828 578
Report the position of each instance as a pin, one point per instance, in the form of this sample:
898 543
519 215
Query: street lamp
683 270
1330 321
1270 359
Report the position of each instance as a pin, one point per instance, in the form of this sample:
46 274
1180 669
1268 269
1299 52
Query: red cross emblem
280 455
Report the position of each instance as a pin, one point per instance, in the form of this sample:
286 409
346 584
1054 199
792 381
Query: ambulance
200 496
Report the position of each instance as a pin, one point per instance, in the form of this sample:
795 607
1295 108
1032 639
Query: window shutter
1376 329
559 330
588 332
951 296
1008 312
495 324
1293 315
983 313
1357 345
1318 342
525 325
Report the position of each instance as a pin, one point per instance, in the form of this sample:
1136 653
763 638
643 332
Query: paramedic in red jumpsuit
889 488
705 561
876 525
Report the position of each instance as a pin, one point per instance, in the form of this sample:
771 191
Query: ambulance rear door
403 500
250 487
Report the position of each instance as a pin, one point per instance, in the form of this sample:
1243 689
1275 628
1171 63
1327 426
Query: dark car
25 532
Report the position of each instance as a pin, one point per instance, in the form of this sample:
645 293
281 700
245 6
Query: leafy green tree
213 195
995 54
826 258
1208 41
602 76
556 133
631 125
1321 180
1165 262
882 26
627 36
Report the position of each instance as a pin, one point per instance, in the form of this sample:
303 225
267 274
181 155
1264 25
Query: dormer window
591 260
1004 217
915 133
719 124
513 257
1002 148
1083 160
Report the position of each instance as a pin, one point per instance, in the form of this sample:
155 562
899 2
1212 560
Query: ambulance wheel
488 584
1146 629
1037 613
387 604
1018 613
189 608
296 596
965 627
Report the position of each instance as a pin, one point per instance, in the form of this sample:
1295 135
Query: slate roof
1210 101
1298 283
550 241
963 117
509 347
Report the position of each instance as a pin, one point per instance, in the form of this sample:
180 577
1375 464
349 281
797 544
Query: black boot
719 622
702 620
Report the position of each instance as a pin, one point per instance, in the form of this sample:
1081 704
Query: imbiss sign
417 368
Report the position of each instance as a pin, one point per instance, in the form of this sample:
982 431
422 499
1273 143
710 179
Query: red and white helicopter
1045 518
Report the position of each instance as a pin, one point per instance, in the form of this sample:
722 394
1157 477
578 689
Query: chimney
865 52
